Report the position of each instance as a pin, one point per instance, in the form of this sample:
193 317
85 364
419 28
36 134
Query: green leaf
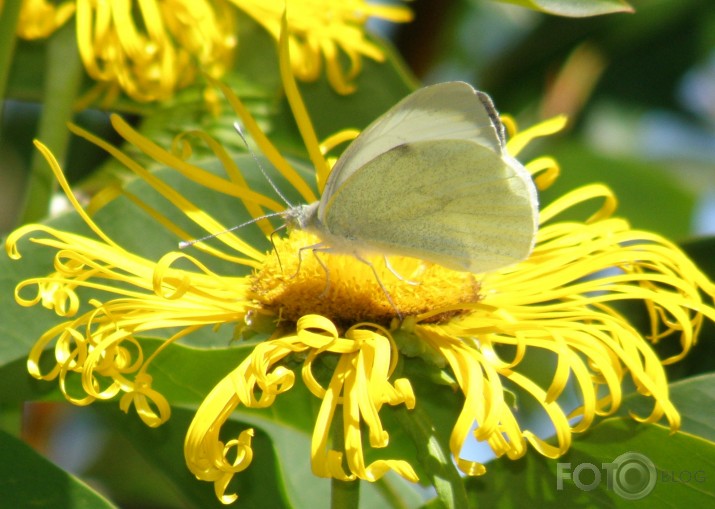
687 453
690 396
279 475
574 8
29 480
163 449
21 327
18 386
669 205
683 471
434 455
185 375
292 448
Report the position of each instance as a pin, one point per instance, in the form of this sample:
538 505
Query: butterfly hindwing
453 202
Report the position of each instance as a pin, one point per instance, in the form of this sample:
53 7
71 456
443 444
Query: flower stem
8 23
343 494
62 82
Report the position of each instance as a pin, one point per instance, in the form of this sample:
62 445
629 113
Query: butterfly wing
453 202
445 111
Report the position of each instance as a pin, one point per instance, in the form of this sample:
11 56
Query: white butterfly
429 179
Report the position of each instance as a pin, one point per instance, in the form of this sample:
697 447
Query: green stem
9 15
63 79
435 458
343 494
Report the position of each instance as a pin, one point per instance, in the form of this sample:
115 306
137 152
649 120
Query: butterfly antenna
187 243
237 126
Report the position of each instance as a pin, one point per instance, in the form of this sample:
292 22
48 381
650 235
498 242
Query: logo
631 475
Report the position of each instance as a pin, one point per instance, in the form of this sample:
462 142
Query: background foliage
639 91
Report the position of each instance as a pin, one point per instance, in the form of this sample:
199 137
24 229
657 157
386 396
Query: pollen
301 277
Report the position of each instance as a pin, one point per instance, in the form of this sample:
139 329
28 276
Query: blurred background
639 91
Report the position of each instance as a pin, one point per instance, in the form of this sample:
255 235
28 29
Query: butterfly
429 179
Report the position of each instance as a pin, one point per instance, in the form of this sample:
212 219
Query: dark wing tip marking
493 116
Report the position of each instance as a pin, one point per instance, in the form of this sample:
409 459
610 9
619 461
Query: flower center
296 280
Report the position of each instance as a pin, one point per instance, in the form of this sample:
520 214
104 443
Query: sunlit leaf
667 209
690 396
280 471
683 466
574 8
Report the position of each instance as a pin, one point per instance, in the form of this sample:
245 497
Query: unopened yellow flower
153 49
481 331
325 29
39 18
147 49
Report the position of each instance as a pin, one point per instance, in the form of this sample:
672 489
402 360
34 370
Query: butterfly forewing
446 111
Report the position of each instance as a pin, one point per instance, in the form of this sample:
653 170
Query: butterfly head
301 217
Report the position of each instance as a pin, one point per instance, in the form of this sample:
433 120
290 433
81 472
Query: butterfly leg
280 265
325 268
398 275
300 257
382 286
315 248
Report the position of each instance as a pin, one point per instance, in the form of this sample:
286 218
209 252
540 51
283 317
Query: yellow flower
324 27
151 49
482 332
39 19
148 50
